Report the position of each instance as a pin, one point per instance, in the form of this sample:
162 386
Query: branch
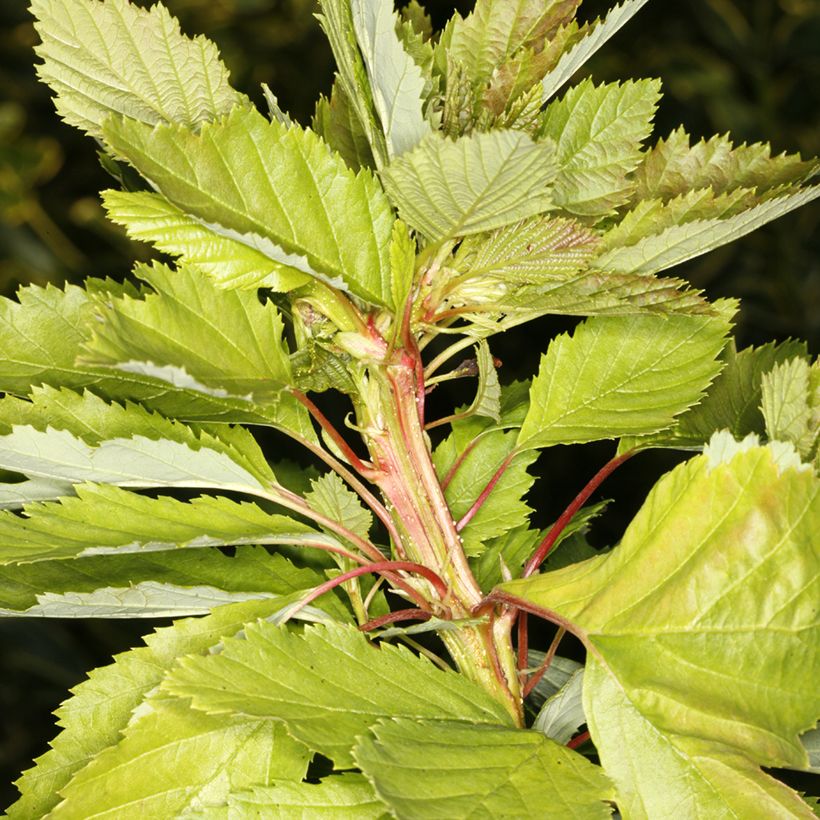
485 493
546 663
551 537
394 617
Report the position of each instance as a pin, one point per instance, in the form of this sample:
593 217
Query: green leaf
345 796
497 29
674 166
396 82
598 132
296 197
732 402
702 615
150 217
160 584
104 519
478 460
426 768
445 188
111 57
562 715
335 121
332 497
684 241
42 337
790 411
584 48
626 375
402 267
306 681
172 758
102 706
487 401
226 342
337 22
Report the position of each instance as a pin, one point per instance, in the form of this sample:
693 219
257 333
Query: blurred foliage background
751 67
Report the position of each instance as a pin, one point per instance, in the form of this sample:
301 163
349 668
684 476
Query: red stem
477 504
364 469
578 740
523 641
547 662
551 537
386 568
393 617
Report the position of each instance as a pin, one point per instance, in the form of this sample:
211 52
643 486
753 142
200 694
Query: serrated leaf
562 715
789 410
626 375
811 743
111 57
172 759
480 458
227 341
304 680
572 59
496 29
96 421
42 336
674 166
337 22
731 403
346 796
700 617
487 401
425 768
294 194
16 494
332 497
104 519
161 584
681 242
149 217
396 82
445 188
598 131
101 706
402 267
335 121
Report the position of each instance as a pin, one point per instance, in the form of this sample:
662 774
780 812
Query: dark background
751 67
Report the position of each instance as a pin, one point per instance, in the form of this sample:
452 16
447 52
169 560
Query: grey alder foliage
452 186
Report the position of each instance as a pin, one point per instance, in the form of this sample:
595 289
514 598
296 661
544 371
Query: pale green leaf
104 519
661 774
15 495
562 715
226 341
497 29
554 679
294 193
445 188
337 22
402 267
396 82
345 796
160 584
230 263
681 242
96 422
787 404
598 131
476 460
811 743
731 403
674 166
172 759
42 337
336 122
701 628
330 496
584 48
487 401
618 376
328 685
111 57
441 769
101 706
